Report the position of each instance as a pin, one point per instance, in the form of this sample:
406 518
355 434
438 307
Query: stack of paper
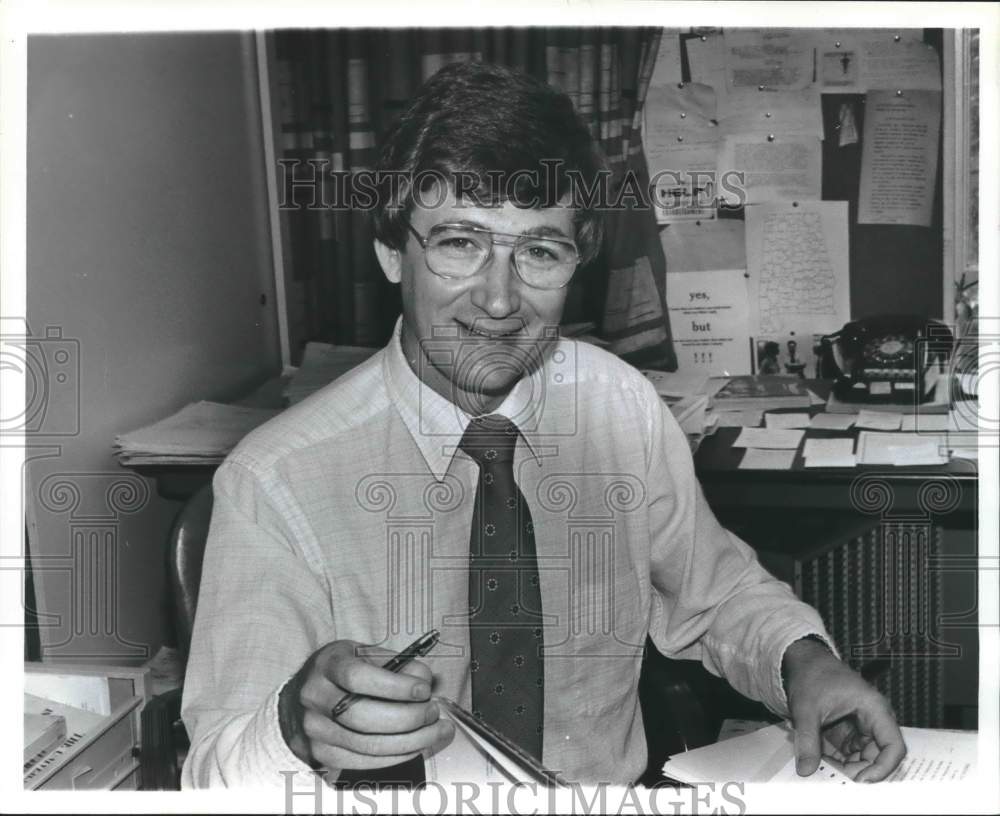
688 394
762 393
321 365
200 433
768 755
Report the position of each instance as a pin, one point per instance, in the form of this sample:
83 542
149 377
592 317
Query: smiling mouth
493 333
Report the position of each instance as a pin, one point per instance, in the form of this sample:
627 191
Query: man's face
488 330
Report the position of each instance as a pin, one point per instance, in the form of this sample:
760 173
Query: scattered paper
786 438
709 320
797 260
762 459
901 449
925 423
740 419
709 245
200 433
899 157
797 420
829 453
879 420
756 168
833 422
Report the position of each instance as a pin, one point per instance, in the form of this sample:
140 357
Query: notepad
796 420
769 438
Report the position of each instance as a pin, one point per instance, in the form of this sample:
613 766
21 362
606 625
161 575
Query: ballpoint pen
418 648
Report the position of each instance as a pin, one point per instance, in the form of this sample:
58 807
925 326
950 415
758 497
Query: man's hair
493 135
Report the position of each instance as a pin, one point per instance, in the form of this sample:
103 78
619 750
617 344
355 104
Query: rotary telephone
886 359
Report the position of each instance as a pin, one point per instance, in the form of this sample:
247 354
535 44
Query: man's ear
390 260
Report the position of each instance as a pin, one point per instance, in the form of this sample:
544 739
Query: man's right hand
394 722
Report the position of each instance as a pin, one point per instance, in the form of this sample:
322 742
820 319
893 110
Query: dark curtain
337 91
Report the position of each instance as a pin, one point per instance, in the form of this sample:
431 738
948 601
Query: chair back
185 555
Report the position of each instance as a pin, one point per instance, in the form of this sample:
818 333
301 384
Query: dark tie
505 605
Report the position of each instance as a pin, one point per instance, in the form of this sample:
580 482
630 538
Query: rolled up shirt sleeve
261 613
712 600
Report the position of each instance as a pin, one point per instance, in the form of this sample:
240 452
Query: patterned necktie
505 604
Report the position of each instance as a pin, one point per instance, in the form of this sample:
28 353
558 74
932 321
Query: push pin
680 138
684 116
899 93
768 114
795 203
770 137
837 44
896 38
760 87
703 38
680 85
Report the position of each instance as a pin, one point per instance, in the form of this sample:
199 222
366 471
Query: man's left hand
827 699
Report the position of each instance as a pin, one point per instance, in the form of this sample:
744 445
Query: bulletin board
893 268
890 267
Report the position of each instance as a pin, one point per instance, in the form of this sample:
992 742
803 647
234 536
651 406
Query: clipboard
512 760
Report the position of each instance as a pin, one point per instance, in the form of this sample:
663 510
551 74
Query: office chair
682 703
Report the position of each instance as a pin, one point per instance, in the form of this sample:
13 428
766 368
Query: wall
148 253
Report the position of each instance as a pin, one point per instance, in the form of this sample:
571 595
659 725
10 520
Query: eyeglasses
462 251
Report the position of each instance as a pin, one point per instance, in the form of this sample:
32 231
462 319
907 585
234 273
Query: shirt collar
437 424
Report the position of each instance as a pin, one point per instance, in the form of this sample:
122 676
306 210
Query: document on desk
878 420
767 459
768 755
925 423
829 453
749 418
796 420
833 422
782 438
902 449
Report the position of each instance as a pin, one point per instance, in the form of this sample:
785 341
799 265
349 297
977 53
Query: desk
886 554
867 546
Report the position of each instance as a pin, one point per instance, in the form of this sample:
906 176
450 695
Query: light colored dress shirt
348 516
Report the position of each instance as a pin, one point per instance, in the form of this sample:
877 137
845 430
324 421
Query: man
529 497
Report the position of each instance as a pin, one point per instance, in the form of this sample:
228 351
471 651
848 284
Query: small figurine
793 366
